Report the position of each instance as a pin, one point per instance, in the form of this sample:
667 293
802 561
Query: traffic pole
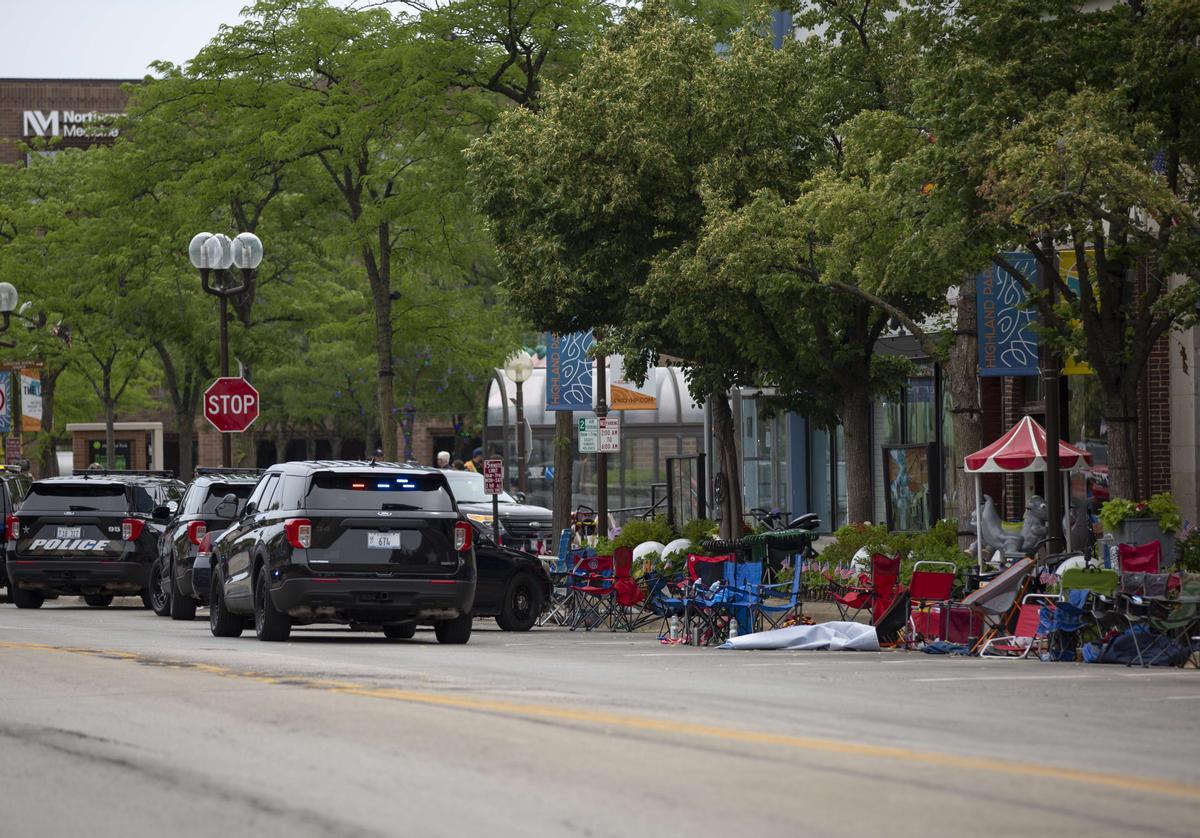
226 440
1051 366
601 457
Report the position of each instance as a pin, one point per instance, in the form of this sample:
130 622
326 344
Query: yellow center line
1127 782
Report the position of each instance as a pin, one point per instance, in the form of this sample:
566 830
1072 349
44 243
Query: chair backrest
1028 620
747 576
1142 558
1132 584
706 569
1096 580
595 566
1155 585
564 544
885 572
931 585
622 562
997 596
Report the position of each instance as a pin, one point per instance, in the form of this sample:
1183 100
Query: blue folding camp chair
776 603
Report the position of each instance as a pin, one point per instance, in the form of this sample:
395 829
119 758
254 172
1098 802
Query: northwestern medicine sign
67 124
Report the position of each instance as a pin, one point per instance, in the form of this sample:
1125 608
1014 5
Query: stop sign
231 404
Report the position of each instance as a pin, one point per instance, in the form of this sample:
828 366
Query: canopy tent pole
1066 479
978 526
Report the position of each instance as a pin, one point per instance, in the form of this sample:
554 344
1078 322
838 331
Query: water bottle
673 627
733 628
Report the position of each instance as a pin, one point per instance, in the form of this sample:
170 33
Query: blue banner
569 371
6 412
1007 342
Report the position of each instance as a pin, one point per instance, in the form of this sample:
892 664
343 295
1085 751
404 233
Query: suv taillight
298 532
462 536
131 529
14 527
196 531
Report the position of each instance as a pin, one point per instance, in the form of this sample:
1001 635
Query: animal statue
1035 524
992 532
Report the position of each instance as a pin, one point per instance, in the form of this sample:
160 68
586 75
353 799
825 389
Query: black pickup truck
94 534
355 542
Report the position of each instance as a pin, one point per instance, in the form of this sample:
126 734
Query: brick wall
1154 422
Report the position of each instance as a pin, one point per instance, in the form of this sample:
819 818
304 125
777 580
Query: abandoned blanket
834 636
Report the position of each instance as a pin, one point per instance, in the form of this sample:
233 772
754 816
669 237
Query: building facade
52 114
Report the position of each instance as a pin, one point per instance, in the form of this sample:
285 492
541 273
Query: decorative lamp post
518 368
217 253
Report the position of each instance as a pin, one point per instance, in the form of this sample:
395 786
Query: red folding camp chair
1024 639
1143 558
623 610
932 584
705 619
593 591
876 592
997 602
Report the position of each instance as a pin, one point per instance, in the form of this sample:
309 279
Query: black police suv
172 589
522 526
94 534
357 542
513 586
14 485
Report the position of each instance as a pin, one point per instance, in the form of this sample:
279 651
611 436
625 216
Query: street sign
493 476
599 436
12 449
231 405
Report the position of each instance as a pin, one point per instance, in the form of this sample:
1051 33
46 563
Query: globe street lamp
216 254
518 368
8 303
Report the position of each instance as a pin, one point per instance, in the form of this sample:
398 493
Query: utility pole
601 457
1051 370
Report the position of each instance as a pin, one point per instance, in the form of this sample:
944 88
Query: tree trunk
564 467
281 441
185 426
310 445
379 276
728 479
1120 414
49 453
110 420
963 383
855 414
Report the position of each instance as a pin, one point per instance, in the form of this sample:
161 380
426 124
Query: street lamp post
8 303
217 253
518 368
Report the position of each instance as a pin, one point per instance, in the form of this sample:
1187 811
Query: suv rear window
375 491
75 497
217 492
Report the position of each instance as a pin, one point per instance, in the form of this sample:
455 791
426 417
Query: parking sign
493 476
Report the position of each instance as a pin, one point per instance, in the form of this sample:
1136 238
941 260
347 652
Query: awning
1023 448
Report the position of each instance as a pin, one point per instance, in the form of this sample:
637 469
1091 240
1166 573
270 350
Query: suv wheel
160 597
522 604
24 599
146 601
98 600
399 631
221 622
457 631
182 607
269 622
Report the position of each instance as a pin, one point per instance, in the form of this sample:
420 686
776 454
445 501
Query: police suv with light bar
364 543
93 535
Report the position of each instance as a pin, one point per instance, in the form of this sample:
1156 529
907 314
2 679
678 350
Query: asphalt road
115 722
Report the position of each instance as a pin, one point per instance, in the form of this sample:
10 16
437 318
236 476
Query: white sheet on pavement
833 636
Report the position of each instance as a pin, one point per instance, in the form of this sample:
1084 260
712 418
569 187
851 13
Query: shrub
639 530
1161 507
1189 553
699 529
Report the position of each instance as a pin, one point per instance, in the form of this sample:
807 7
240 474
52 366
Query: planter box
1141 530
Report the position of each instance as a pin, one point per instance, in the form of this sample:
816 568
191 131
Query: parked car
172 592
513 585
522 526
94 534
356 542
14 485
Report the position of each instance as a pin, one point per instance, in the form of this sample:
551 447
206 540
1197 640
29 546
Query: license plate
70 532
383 540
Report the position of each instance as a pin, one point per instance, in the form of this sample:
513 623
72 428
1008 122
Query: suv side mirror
519 496
228 506
161 513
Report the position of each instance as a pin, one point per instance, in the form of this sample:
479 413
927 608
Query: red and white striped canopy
1023 448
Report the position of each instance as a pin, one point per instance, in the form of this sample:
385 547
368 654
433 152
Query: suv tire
270 623
160 596
98 600
24 599
147 603
182 607
456 631
221 622
522 604
399 631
